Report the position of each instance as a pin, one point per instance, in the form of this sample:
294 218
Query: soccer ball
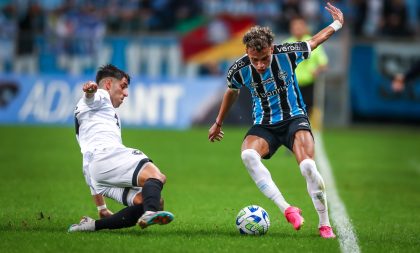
253 220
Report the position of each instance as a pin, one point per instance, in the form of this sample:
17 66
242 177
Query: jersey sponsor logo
277 91
230 72
268 80
239 64
290 48
118 121
254 84
269 93
264 82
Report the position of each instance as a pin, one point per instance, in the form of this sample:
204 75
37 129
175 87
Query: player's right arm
230 96
90 88
328 31
234 82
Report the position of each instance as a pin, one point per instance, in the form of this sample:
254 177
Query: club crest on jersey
282 75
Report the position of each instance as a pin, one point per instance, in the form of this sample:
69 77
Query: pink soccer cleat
294 217
326 232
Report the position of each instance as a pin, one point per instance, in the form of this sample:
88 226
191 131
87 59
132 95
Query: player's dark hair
258 38
110 70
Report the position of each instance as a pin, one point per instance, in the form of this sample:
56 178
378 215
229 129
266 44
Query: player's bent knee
162 178
151 171
159 176
250 157
308 168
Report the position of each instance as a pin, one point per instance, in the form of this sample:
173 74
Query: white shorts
114 173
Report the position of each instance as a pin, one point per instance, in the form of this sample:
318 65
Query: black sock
126 217
151 194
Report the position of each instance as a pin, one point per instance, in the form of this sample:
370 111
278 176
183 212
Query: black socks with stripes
151 194
125 218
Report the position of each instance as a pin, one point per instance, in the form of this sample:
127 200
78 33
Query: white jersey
109 168
97 123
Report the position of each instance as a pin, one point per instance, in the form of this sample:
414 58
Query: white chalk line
343 227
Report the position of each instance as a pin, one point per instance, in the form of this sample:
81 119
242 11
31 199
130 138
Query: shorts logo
137 152
304 124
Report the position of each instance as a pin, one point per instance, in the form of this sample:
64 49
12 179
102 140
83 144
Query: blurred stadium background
177 52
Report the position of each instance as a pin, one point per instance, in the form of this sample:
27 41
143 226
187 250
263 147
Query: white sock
262 178
316 190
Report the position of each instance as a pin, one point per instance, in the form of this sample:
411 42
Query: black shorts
282 133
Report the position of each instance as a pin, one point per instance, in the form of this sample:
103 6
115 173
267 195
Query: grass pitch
43 191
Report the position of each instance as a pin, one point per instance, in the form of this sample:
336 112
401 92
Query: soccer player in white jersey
280 117
124 174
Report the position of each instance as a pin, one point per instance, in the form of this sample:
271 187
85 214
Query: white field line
344 229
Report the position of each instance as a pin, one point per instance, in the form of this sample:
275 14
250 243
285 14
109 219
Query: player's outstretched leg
126 217
87 224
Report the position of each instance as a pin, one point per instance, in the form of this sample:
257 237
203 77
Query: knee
159 176
162 178
308 168
250 156
151 171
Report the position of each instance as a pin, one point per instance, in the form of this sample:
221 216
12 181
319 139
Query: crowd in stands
78 26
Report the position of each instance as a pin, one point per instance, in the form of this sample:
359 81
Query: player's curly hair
110 70
258 38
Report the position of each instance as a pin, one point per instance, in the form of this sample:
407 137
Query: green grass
377 174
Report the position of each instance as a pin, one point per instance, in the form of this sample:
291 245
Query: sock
262 178
151 194
126 217
316 190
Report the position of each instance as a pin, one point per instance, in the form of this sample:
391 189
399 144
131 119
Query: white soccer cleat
152 218
86 224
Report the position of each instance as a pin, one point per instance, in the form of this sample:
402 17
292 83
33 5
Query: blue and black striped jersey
275 93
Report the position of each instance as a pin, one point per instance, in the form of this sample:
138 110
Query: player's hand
215 133
335 13
90 87
104 213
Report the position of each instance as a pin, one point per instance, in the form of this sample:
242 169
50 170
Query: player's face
298 28
118 91
261 60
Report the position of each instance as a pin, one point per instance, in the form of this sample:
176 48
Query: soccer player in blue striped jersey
279 113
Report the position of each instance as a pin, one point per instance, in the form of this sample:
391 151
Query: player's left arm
328 31
103 210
